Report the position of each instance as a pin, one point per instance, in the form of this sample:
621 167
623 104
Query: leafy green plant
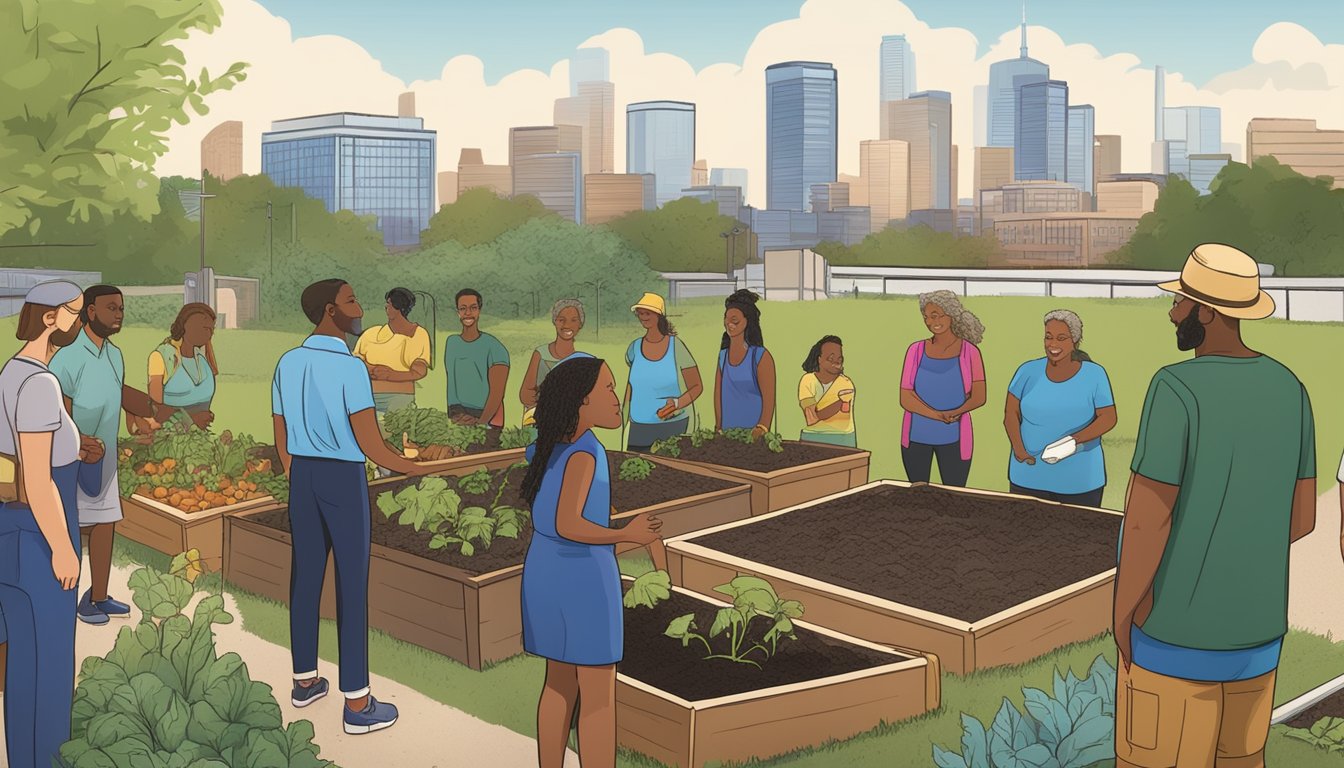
432 506
635 469
476 483
648 590
430 426
774 442
1074 728
515 437
753 598
701 436
669 447
1327 734
163 696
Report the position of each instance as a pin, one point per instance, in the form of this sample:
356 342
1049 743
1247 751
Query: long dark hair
744 301
557 415
664 327
813 362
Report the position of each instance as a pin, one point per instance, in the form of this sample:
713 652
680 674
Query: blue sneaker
375 717
115 609
88 612
305 695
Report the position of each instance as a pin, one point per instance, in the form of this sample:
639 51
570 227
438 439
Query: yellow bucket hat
652 302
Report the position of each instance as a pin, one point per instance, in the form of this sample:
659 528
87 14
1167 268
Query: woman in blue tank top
571 591
744 384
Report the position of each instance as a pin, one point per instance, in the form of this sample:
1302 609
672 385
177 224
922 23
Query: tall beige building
544 139
593 109
884 167
700 173
1298 144
924 122
555 179
830 196
472 172
1135 196
1106 156
993 168
447 183
406 104
222 151
608 196
858 187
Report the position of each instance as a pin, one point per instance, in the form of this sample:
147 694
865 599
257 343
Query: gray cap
53 293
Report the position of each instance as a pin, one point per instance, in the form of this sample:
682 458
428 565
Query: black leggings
918 461
1089 499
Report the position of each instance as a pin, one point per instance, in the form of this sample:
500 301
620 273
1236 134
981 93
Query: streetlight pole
730 243
270 237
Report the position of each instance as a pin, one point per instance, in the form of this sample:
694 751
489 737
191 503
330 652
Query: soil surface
663 484
658 660
1332 706
756 457
959 555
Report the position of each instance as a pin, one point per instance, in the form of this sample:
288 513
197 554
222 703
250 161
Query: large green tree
917 246
685 236
88 91
479 216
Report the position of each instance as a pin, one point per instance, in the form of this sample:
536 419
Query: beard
1190 332
100 330
60 338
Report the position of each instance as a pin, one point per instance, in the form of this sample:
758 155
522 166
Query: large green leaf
649 590
111 727
681 628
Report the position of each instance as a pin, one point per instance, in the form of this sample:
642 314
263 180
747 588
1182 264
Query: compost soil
756 457
663 484
1331 706
955 554
661 661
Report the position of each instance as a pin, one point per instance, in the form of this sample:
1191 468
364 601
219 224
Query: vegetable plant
514 437
635 469
1327 734
196 470
164 697
772 441
648 590
1074 728
753 598
669 447
432 506
430 428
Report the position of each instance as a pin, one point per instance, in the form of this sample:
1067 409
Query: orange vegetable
168 464
175 499
150 468
160 493
203 505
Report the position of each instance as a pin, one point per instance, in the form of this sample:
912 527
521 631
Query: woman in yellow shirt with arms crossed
397 354
826 395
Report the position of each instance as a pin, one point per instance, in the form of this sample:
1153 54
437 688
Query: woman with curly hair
942 381
182 369
826 395
568 318
571 590
744 382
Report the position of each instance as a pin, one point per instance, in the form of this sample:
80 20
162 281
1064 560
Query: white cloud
1292 75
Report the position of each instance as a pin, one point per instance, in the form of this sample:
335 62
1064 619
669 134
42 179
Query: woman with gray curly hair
568 317
942 381
1057 409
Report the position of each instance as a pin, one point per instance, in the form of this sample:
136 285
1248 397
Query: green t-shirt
1235 434
468 364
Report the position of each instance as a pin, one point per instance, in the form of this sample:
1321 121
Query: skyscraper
884 168
593 109
896 63
1041 151
372 164
1190 131
588 65
730 177
1106 160
924 121
993 168
1080 168
660 139
543 139
472 172
802 123
1205 168
1298 144
1005 78
406 104
554 178
608 196
222 151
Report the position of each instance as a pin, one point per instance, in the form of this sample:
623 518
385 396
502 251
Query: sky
475 76
413 38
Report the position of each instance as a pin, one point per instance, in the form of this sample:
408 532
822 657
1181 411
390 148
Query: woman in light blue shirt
1057 409
659 363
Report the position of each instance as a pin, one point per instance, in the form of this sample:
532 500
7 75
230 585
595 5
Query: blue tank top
653 382
740 397
938 383
597 507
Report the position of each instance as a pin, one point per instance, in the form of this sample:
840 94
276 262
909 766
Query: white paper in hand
1060 449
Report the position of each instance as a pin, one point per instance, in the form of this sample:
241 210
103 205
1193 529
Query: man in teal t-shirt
1224 481
477 366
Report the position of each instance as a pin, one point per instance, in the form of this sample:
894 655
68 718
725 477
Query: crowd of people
1223 480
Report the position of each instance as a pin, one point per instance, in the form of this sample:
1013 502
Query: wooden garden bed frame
789 487
475 619
773 721
1073 613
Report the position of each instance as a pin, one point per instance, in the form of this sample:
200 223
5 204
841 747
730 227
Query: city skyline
730 100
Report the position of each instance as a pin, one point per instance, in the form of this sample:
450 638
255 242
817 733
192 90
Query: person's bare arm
718 398
976 399
527 393
371 442
137 403
694 386
1012 424
569 520
1102 423
1304 508
281 440
911 402
155 389
825 413
498 379
1147 525
45 502
765 375
419 369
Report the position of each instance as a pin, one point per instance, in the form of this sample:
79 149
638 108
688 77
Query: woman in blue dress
571 593
744 383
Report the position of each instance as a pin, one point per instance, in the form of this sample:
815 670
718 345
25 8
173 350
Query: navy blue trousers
38 617
329 513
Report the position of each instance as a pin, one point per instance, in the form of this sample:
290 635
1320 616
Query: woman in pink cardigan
942 381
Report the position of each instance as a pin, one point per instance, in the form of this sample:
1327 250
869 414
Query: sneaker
306 694
375 717
88 612
115 609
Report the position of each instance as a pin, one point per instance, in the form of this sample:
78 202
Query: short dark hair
93 293
469 292
813 362
318 296
402 300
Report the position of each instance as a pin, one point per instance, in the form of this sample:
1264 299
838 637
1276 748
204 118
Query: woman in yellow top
826 395
397 354
182 369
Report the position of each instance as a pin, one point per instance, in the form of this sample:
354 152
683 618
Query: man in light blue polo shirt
325 426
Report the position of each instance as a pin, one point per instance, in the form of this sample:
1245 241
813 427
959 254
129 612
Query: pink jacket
972 370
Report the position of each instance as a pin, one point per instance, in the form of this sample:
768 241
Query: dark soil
653 658
664 484
963 556
1332 706
756 457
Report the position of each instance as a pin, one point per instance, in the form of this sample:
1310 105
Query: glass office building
802 123
897 64
1082 140
1041 152
660 139
1203 169
1006 78
368 164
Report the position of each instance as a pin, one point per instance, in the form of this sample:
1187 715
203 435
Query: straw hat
1225 279
652 302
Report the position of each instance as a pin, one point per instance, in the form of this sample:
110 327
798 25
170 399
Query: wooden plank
652 724
499 612
1081 615
694 513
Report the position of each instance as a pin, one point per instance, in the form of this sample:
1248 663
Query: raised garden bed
1316 717
979 578
797 473
683 710
437 438
464 607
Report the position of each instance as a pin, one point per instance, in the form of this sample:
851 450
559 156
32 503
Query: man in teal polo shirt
477 365
1224 481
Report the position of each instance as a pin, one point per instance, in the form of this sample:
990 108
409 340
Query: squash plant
650 589
432 506
164 697
753 598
